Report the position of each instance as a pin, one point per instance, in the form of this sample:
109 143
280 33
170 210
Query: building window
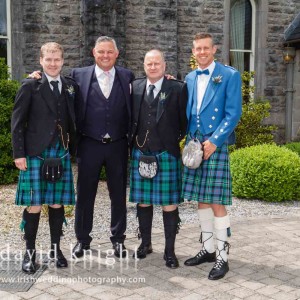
242 14
5 40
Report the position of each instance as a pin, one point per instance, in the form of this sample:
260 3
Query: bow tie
199 72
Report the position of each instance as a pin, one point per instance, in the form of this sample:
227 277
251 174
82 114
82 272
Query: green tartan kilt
164 188
32 190
210 183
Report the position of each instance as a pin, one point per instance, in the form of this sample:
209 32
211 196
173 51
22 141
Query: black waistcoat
147 139
62 120
106 115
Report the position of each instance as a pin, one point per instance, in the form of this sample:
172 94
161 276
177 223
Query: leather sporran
148 166
52 169
192 154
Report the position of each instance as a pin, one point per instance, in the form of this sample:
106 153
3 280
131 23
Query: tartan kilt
210 183
164 188
32 190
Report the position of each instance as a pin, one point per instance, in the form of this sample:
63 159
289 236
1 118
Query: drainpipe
288 56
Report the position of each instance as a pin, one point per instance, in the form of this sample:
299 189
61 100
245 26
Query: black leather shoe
171 261
219 270
61 261
78 250
120 250
142 251
202 257
28 264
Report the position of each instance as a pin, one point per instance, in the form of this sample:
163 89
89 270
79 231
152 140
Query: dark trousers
91 156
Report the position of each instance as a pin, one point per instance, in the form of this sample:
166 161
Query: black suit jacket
171 112
33 122
83 77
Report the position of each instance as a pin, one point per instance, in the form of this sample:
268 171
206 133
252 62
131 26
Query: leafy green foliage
294 146
8 90
251 130
266 172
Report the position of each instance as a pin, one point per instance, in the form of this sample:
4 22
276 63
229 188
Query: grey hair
105 38
160 52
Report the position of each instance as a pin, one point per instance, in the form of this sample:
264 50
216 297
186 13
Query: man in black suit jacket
43 126
158 124
103 117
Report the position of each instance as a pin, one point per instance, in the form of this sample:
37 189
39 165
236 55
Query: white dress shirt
157 85
202 83
54 79
105 85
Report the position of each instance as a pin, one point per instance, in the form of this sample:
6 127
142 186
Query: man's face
105 55
204 52
154 66
52 63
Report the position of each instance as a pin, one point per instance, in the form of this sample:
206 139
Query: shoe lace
203 242
218 264
202 253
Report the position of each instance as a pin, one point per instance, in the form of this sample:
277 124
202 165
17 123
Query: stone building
250 35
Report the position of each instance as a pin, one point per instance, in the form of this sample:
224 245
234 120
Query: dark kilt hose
33 190
164 188
211 182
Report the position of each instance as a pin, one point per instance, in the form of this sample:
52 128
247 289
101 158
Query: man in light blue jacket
214 109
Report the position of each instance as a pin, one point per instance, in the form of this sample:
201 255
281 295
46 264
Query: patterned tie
55 88
205 72
106 89
150 93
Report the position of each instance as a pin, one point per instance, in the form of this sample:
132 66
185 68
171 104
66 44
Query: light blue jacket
221 107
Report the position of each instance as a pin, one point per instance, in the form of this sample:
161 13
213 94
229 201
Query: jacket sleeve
182 110
19 119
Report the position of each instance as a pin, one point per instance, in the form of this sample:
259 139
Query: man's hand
35 75
169 76
208 148
21 163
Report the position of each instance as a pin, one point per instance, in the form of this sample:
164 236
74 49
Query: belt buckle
106 140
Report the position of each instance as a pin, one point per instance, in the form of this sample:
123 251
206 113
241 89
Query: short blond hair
203 35
51 47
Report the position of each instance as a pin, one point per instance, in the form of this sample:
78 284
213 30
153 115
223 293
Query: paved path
264 263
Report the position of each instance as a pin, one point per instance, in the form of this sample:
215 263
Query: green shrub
251 130
294 146
266 172
8 90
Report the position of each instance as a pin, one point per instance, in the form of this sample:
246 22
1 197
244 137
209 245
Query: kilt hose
32 190
211 182
164 188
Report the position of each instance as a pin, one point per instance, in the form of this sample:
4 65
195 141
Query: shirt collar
157 84
210 68
49 78
99 71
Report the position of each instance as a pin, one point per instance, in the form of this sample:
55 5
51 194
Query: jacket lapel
162 98
211 88
69 96
47 93
138 97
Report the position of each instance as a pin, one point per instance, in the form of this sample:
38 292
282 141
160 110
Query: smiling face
105 54
52 62
154 65
204 51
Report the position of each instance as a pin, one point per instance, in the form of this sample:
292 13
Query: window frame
252 50
8 36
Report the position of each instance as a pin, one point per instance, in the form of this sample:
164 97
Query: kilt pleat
164 188
33 190
210 183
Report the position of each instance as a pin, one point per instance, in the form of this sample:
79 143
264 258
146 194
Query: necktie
199 72
55 88
151 93
106 89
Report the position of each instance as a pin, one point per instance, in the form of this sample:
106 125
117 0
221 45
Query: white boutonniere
217 79
162 97
70 89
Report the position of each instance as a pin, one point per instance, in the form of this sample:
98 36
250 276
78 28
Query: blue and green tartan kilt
33 190
211 182
164 188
